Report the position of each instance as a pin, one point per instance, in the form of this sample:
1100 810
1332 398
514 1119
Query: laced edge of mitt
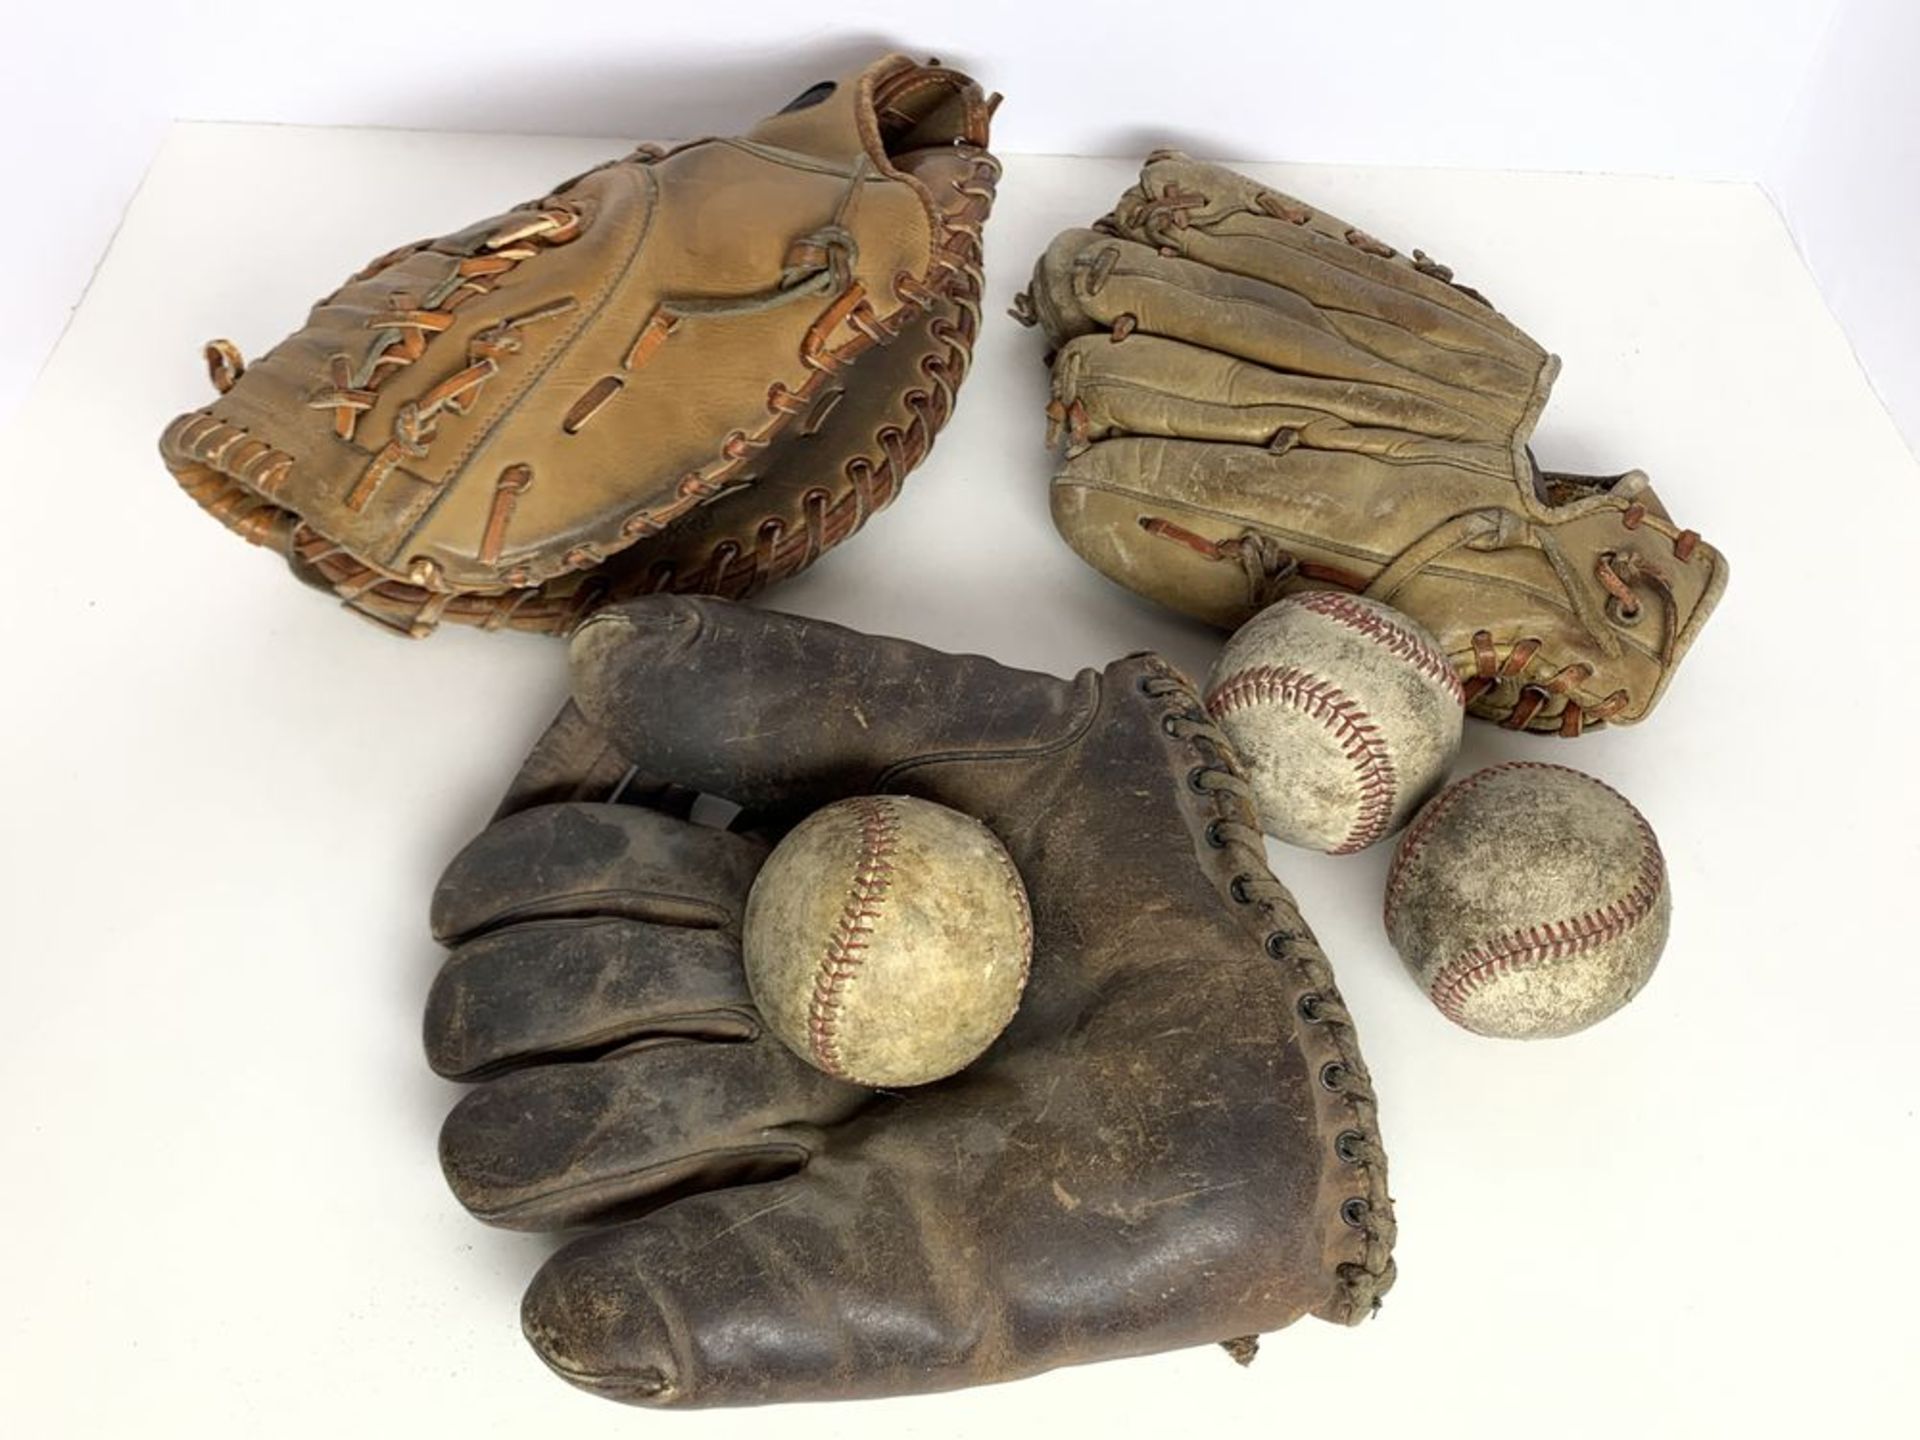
1342 1079
234 476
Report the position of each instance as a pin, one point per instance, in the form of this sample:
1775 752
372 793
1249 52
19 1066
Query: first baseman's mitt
1258 397
691 369
1173 1143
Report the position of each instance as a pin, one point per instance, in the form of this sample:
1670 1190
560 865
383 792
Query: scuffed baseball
888 939
1345 713
1529 901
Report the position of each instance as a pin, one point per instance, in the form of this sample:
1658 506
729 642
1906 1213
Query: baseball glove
691 369
1257 397
1174 1143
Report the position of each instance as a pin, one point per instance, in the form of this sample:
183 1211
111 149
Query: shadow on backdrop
646 97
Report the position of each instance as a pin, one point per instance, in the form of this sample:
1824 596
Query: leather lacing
234 476
1315 998
1141 208
403 331
873 480
1490 668
1272 571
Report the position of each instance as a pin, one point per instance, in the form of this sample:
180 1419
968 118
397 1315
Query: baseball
1345 713
1529 901
887 940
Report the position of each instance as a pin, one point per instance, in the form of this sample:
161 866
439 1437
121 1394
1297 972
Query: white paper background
1847 175
227 801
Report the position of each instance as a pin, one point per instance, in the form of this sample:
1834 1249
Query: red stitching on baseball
879 826
1423 823
1397 639
1522 949
1352 727
1017 892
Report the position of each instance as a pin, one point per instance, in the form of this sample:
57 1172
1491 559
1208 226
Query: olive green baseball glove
691 369
1173 1143
1257 397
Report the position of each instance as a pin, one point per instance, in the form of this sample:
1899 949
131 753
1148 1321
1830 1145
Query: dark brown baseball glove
691 369
1174 1143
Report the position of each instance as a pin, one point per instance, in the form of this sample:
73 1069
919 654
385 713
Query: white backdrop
222 1215
1737 89
225 1218
1848 180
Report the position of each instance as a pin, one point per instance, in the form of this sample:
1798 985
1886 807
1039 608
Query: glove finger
851 1279
1090 282
1366 332
1153 386
1228 221
773 710
573 761
581 860
560 1145
575 988
718 1300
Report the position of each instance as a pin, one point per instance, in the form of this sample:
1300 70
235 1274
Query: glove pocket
657 412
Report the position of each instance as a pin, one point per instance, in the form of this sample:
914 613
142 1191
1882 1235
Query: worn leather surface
1257 397
1173 1143
693 369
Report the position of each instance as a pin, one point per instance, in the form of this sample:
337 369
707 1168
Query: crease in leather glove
691 369
1256 397
1174 1143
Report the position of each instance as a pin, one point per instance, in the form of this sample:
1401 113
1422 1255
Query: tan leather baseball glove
1257 397
692 369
